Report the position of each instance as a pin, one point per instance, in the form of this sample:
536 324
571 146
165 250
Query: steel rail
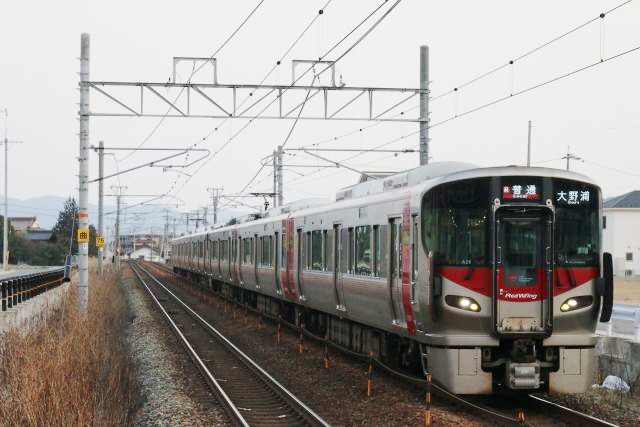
299 406
545 405
231 410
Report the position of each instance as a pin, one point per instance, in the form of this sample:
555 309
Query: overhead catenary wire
193 72
310 68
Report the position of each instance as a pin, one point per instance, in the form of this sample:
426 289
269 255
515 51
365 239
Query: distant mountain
47 208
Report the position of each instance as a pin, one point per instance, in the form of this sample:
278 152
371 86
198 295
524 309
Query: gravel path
170 395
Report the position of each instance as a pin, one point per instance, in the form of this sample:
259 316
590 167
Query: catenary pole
83 176
101 204
529 147
280 177
424 105
275 179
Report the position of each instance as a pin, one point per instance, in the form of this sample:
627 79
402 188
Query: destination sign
573 197
520 192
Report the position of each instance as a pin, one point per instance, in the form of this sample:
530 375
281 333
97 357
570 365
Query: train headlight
463 303
576 303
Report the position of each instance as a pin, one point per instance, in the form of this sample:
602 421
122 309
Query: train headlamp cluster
463 303
576 303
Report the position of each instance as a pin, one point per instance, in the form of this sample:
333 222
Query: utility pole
5 231
166 232
117 249
101 204
117 238
570 156
83 176
215 196
280 177
529 147
424 105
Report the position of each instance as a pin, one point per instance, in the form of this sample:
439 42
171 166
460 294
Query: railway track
249 395
505 410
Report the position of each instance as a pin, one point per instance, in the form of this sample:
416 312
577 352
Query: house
24 223
621 232
146 252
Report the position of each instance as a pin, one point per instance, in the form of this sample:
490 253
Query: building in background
29 227
621 232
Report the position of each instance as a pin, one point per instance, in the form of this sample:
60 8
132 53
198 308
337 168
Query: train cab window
363 250
577 224
317 250
455 223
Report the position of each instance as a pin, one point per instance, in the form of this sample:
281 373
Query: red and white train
489 278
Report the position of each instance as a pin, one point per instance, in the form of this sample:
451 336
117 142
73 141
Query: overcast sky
596 112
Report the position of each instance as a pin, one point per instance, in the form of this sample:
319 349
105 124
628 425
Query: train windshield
455 223
577 228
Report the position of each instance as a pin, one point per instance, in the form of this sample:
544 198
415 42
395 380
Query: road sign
99 241
83 235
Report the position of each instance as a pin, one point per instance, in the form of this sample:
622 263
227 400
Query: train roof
422 177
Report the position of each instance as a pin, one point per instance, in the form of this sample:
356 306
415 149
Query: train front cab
515 293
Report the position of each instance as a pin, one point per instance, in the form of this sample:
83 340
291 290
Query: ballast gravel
168 395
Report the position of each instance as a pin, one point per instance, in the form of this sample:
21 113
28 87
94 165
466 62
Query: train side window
377 251
266 251
317 250
363 250
307 250
350 249
325 245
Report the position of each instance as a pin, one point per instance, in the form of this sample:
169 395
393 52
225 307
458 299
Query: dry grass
72 368
626 290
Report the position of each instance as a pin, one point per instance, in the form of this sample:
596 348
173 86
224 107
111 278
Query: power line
542 46
333 62
193 72
496 101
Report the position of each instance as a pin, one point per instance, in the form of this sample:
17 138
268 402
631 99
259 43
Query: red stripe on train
479 279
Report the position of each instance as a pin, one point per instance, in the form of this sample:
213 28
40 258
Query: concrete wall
27 314
619 357
622 236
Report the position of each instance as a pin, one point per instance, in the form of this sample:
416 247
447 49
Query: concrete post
424 105
610 328
100 204
5 231
83 176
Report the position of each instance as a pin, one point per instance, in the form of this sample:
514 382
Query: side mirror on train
604 287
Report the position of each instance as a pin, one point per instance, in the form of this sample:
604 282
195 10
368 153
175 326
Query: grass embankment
73 368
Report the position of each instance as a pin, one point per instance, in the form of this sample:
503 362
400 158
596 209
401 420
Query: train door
523 271
337 272
301 263
277 261
395 270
